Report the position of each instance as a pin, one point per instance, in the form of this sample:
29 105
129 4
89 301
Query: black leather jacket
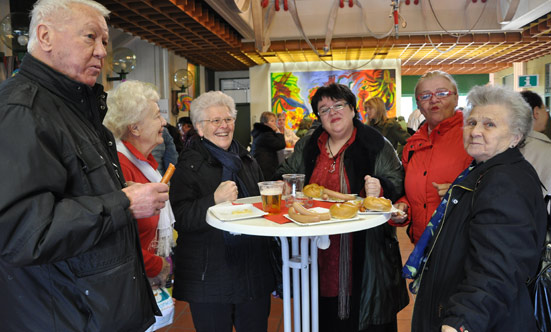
70 258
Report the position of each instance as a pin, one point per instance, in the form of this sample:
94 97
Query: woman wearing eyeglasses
226 278
434 156
361 288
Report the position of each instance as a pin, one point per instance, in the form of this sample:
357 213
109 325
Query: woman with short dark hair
361 288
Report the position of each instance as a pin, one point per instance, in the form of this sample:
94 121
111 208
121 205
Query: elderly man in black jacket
70 259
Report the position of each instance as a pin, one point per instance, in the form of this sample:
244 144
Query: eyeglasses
337 107
218 121
440 94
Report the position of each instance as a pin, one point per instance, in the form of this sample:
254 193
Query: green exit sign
528 81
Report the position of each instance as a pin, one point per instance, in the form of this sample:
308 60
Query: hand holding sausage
168 174
226 192
146 199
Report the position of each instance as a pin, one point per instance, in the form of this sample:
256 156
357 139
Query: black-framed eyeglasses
440 94
336 107
217 122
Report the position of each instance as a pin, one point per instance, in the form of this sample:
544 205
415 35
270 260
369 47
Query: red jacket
147 227
438 158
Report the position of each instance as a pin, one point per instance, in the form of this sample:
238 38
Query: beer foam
271 191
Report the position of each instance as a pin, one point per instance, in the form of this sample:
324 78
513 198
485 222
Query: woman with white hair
137 124
226 278
485 239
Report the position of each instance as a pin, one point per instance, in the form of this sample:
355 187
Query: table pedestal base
304 263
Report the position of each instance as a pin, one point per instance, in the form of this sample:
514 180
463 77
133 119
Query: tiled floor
183 321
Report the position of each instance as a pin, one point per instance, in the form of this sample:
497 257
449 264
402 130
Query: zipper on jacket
206 266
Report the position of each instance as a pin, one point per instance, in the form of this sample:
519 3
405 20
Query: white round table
302 259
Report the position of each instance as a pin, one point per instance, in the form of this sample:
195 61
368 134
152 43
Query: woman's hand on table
226 191
400 218
372 186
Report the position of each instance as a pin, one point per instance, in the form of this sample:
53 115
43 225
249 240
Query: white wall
534 67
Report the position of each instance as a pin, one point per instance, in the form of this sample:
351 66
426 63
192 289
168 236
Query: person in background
186 130
547 130
137 124
415 120
226 278
361 288
434 155
491 228
165 153
70 257
389 128
400 119
540 113
303 127
176 138
537 146
290 137
267 140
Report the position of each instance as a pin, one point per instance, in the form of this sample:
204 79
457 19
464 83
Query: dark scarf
236 245
231 164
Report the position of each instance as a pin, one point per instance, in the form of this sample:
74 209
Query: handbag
166 305
540 286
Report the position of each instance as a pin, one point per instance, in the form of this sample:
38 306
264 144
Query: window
237 88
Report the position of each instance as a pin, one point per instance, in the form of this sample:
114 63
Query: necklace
332 167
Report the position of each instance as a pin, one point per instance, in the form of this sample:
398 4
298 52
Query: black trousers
329 320
250 316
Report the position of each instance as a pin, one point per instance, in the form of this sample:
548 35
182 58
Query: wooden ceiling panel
191 29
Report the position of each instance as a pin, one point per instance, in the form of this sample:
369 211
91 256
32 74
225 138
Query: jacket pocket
114 251
96 178
90 158
115 299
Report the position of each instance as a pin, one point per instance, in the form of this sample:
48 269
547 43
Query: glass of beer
271 192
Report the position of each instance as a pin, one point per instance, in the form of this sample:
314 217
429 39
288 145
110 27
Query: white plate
236 212
392 210
320 210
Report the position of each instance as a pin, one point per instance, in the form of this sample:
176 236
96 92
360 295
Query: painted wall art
292 91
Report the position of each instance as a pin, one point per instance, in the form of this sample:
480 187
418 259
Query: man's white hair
44 10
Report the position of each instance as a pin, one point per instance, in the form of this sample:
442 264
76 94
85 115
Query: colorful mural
292 91
184 102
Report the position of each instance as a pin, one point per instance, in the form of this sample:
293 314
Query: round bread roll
313 190
377 204
343 210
